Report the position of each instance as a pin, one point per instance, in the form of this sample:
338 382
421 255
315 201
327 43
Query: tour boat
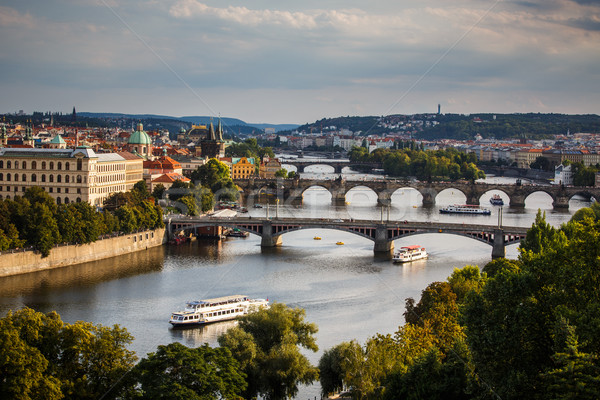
409 253
237 233
200 312
496 200
465 209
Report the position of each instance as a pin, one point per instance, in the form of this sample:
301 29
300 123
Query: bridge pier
382 244
517 201
338 199
561 202
498 249
268 239
384 199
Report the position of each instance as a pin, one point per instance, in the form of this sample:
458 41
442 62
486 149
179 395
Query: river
347 291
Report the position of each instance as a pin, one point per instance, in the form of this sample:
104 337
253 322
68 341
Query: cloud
10 17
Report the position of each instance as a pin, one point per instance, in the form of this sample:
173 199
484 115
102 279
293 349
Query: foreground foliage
41 357
525 328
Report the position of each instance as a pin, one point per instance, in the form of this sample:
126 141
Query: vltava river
345 290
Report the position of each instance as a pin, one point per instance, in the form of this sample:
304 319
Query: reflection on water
195 336
88 273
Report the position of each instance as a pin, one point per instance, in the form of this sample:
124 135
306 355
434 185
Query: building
269 167
240 167
210 143
563 175
140 142
67 175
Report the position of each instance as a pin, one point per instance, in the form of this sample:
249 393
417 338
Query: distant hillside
233 123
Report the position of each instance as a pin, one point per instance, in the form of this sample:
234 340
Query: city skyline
297 63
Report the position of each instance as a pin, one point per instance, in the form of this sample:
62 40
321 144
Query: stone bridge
382 234
290 191
338 165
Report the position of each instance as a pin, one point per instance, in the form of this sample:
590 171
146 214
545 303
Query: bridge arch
316 194
406 196
359 194
484 198
454 196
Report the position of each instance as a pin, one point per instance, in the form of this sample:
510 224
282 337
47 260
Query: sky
299 61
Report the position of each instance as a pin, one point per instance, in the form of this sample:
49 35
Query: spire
211 132
220 131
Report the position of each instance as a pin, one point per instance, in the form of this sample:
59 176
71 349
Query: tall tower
439 109
74 116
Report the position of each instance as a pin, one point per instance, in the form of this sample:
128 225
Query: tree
277 366
179 372
78 361
42 229
282 173
158 191
541 162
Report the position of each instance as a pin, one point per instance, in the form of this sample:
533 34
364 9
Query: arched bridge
290 191
338 165
382 234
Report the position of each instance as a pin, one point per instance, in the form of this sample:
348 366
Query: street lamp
277 209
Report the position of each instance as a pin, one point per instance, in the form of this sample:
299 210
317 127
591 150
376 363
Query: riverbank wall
23 262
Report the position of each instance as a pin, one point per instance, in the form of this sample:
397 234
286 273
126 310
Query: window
66 200
58 178
33 178
58 200
52 165
33 165
1 176
8 164
50 189
79 200
16 177
79 164
1 164
44 165
67 166
59 165
66 190
78 178
67 178
24 165
16 165
24 178
43 177
57 190
51 177
8 177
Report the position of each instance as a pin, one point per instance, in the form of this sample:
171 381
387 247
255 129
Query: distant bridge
338 165
381 233
290 191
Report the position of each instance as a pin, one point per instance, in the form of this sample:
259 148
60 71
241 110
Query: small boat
340 243
317 238
496 200
257 206
179 239
410 253
200 312
465 209
237 233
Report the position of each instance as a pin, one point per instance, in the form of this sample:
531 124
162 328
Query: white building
563 175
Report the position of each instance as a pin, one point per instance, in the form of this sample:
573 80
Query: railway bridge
381 233
290 191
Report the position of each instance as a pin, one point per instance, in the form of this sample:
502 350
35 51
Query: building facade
67 175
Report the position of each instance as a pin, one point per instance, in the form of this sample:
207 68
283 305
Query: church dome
139 136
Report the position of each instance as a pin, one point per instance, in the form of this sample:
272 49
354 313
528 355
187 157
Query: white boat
465 209
200 312
409 253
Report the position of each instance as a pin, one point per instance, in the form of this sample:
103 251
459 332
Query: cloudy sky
298 61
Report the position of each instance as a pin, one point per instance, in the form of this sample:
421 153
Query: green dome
139 136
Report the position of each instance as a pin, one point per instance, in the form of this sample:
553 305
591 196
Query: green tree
42 229
179 372
278 366
77 361
158 191
282 173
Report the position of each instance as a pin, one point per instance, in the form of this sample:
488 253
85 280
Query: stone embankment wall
22 262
